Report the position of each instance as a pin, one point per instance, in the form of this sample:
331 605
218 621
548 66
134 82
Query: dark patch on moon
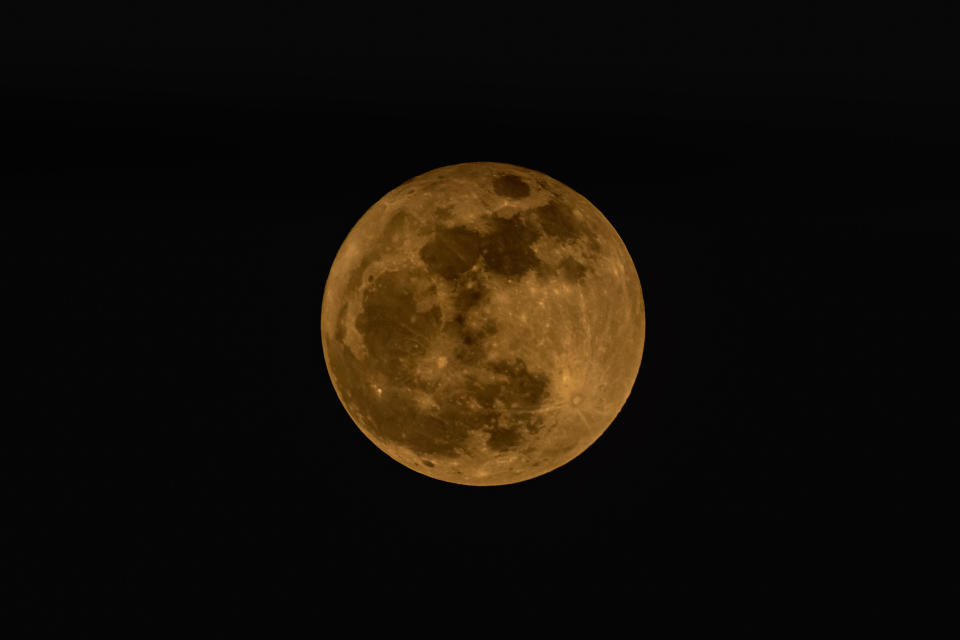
394 332
513 429
571 270
468 294
506 250
558 220
452 251
522 394
504 439
427 434
427 463
511 186
523 390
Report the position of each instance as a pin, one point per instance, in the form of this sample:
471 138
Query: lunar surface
483 323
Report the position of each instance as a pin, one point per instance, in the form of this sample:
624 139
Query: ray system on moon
483 323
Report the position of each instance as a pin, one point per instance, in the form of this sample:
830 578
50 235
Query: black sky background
178 183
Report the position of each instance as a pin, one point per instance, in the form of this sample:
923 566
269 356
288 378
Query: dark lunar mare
451 251
506 250
511 186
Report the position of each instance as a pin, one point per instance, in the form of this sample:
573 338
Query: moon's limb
483 323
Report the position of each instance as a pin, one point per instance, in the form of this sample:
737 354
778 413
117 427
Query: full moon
483 323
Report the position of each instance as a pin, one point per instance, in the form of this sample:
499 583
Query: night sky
177 186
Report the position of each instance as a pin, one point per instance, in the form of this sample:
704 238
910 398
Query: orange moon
483 323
